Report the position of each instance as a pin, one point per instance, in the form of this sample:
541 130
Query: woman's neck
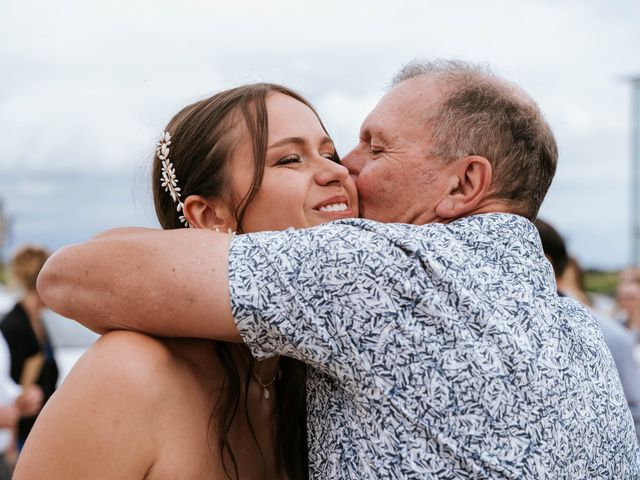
264 369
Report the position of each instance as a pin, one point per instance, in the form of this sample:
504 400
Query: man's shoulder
455 250
505 226
342 237
488 225
362 230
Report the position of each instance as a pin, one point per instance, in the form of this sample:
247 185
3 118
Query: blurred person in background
571 283
31 352
620 341
628 299
14 403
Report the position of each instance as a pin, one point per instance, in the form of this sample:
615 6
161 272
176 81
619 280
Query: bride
249 159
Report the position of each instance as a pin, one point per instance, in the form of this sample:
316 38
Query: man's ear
213 214
470 183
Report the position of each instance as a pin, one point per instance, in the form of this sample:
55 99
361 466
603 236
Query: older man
438 346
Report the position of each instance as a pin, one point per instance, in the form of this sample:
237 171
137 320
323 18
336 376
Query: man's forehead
416 94
405 105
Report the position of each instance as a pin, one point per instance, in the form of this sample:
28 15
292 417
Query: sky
86 88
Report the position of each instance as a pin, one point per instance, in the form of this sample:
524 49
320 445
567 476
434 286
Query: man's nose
354 162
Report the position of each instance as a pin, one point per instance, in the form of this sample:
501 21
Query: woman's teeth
334 207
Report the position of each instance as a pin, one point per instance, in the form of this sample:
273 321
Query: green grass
601 282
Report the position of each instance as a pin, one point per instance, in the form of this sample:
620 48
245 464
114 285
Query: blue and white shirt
435 351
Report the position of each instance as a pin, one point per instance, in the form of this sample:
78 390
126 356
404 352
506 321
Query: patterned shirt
435 351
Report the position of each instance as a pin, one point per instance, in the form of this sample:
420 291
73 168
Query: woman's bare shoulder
105 409
112 405
140 361
126 368
122 358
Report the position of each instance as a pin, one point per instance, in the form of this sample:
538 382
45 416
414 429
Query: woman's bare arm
161 282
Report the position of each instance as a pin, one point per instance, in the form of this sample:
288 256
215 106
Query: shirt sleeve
330 296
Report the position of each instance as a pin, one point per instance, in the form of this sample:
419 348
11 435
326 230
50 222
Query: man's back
447 343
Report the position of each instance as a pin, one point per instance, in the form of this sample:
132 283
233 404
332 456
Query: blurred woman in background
32 360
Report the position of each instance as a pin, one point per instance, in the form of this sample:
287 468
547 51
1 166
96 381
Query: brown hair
554 247
26 264
483 115
204 136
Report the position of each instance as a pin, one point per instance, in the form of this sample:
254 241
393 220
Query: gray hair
440 68
482 114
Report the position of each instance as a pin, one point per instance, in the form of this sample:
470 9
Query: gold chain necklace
265 386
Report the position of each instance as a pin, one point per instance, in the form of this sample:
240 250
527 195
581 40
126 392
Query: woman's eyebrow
325 141
297 141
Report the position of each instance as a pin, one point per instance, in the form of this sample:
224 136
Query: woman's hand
9 415
30 401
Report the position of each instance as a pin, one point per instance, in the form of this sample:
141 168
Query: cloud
87 86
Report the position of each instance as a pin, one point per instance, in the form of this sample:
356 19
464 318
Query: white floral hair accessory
169 181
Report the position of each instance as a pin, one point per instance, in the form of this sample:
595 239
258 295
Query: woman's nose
330 171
